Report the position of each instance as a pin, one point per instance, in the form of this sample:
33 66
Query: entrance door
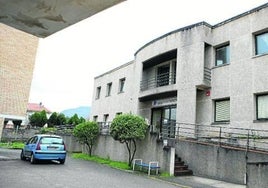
164 120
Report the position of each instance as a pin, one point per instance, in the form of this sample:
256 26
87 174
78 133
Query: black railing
207 74
159 81
248 139
104 128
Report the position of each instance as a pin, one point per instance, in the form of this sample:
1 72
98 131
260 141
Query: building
18 46
17 58
37 107
199 75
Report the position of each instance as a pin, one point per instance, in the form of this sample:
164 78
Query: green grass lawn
105 161
12 145
108 162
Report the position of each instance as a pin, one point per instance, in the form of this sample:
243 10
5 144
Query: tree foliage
128 128
87 133
75 120
38 119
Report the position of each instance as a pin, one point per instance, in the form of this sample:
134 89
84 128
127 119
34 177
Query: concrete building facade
17 58
196 75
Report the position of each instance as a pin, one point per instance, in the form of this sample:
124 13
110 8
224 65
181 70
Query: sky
67 61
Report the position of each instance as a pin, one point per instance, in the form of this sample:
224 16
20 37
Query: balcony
158 81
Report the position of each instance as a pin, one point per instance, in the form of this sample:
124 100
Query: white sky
68 60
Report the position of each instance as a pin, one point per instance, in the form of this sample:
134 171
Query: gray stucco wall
221 163
149 149
257 175
213 162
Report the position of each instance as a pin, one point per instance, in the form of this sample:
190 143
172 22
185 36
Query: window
223 55
261 43
262 107
109 89
118 113
105 117
98 91
222 110
121 85
95 118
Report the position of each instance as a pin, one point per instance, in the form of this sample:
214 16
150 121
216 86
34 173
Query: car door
30 146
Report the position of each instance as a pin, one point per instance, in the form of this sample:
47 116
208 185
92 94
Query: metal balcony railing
207 74
159 81
104 128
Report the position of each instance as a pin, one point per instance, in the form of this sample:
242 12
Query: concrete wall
213 162
257 175
218 162
1 126
149 149
71 144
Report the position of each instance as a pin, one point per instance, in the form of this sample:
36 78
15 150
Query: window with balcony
222 110
262 107
98 92
223 55
121 85
108 89
160 75
261 43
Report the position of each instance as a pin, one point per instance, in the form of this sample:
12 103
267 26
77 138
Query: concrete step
183 172
181 167
179 163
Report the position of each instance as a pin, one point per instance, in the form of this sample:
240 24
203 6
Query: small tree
38 119
128 128
74 120
86 133
61 119
53 119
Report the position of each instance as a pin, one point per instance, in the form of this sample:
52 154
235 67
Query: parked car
44 147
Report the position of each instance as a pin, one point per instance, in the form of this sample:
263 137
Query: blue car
44 147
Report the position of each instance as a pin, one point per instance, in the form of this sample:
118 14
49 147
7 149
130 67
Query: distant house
37 107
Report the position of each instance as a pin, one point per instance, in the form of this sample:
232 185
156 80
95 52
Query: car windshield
51 140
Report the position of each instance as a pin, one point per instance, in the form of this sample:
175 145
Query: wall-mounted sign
164 102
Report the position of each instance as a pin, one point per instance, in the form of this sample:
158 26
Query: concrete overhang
45 17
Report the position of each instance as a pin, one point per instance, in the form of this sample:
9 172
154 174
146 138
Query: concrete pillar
1 127
172 161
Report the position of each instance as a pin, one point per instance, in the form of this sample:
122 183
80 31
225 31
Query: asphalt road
15 173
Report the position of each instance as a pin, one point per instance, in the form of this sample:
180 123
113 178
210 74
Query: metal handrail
254 139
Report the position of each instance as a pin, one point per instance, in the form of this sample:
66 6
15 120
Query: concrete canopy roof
45 17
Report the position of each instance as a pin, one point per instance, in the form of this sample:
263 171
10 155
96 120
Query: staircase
180 168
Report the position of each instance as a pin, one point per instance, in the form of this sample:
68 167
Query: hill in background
82 111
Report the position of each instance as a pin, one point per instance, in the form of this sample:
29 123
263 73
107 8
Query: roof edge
117 68
205 24
256 9
172 32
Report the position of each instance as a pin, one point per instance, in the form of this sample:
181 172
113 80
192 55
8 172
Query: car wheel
62 161
22 157
32 159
